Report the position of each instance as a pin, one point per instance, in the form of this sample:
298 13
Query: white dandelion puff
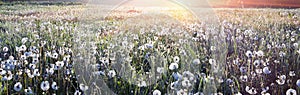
291 92
292 73
111 73
18 86
176 59
156 92
54 86
196 61
45 85
212 61
251 90
160 69
249 53
173 66
266 70
298 83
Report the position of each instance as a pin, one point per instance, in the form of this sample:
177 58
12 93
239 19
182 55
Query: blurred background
218 3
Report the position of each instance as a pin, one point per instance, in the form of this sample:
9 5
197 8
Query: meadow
70 48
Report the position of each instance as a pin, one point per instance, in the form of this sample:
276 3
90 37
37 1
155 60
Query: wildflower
99 73
176 59
181 92
238 93
54 86
142 84
251 90
212 61
156 92
212 48
77 92
36 72
24 40
5 49
244 78
173 85
186 83
243 69
50 71
236 61
249 54
35 60
55 55
173 66
264 90
298 83
282 54
265 93
292 73
256 63
160 69
258 71
83 87
45 85
291 92
29 74
28 91
61 51
259 53
266 70
8 76
18 49
281 79
111 73
32 66
11 58
295 45
2 72
177 76
59 64
18 86
149 46
23 57
23 48
196 61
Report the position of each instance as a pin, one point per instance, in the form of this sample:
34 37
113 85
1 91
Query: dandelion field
62 49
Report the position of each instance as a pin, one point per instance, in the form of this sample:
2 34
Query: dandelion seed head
83 87
156 92
212 61
5 49
28 91
244 78
45 85
249 54
298 82
292 73
251 90
176 59
77 92
186 83
173 66
54 86
160 69
243 69
111 73
291 92
266 70
281 79
196 61
18 86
